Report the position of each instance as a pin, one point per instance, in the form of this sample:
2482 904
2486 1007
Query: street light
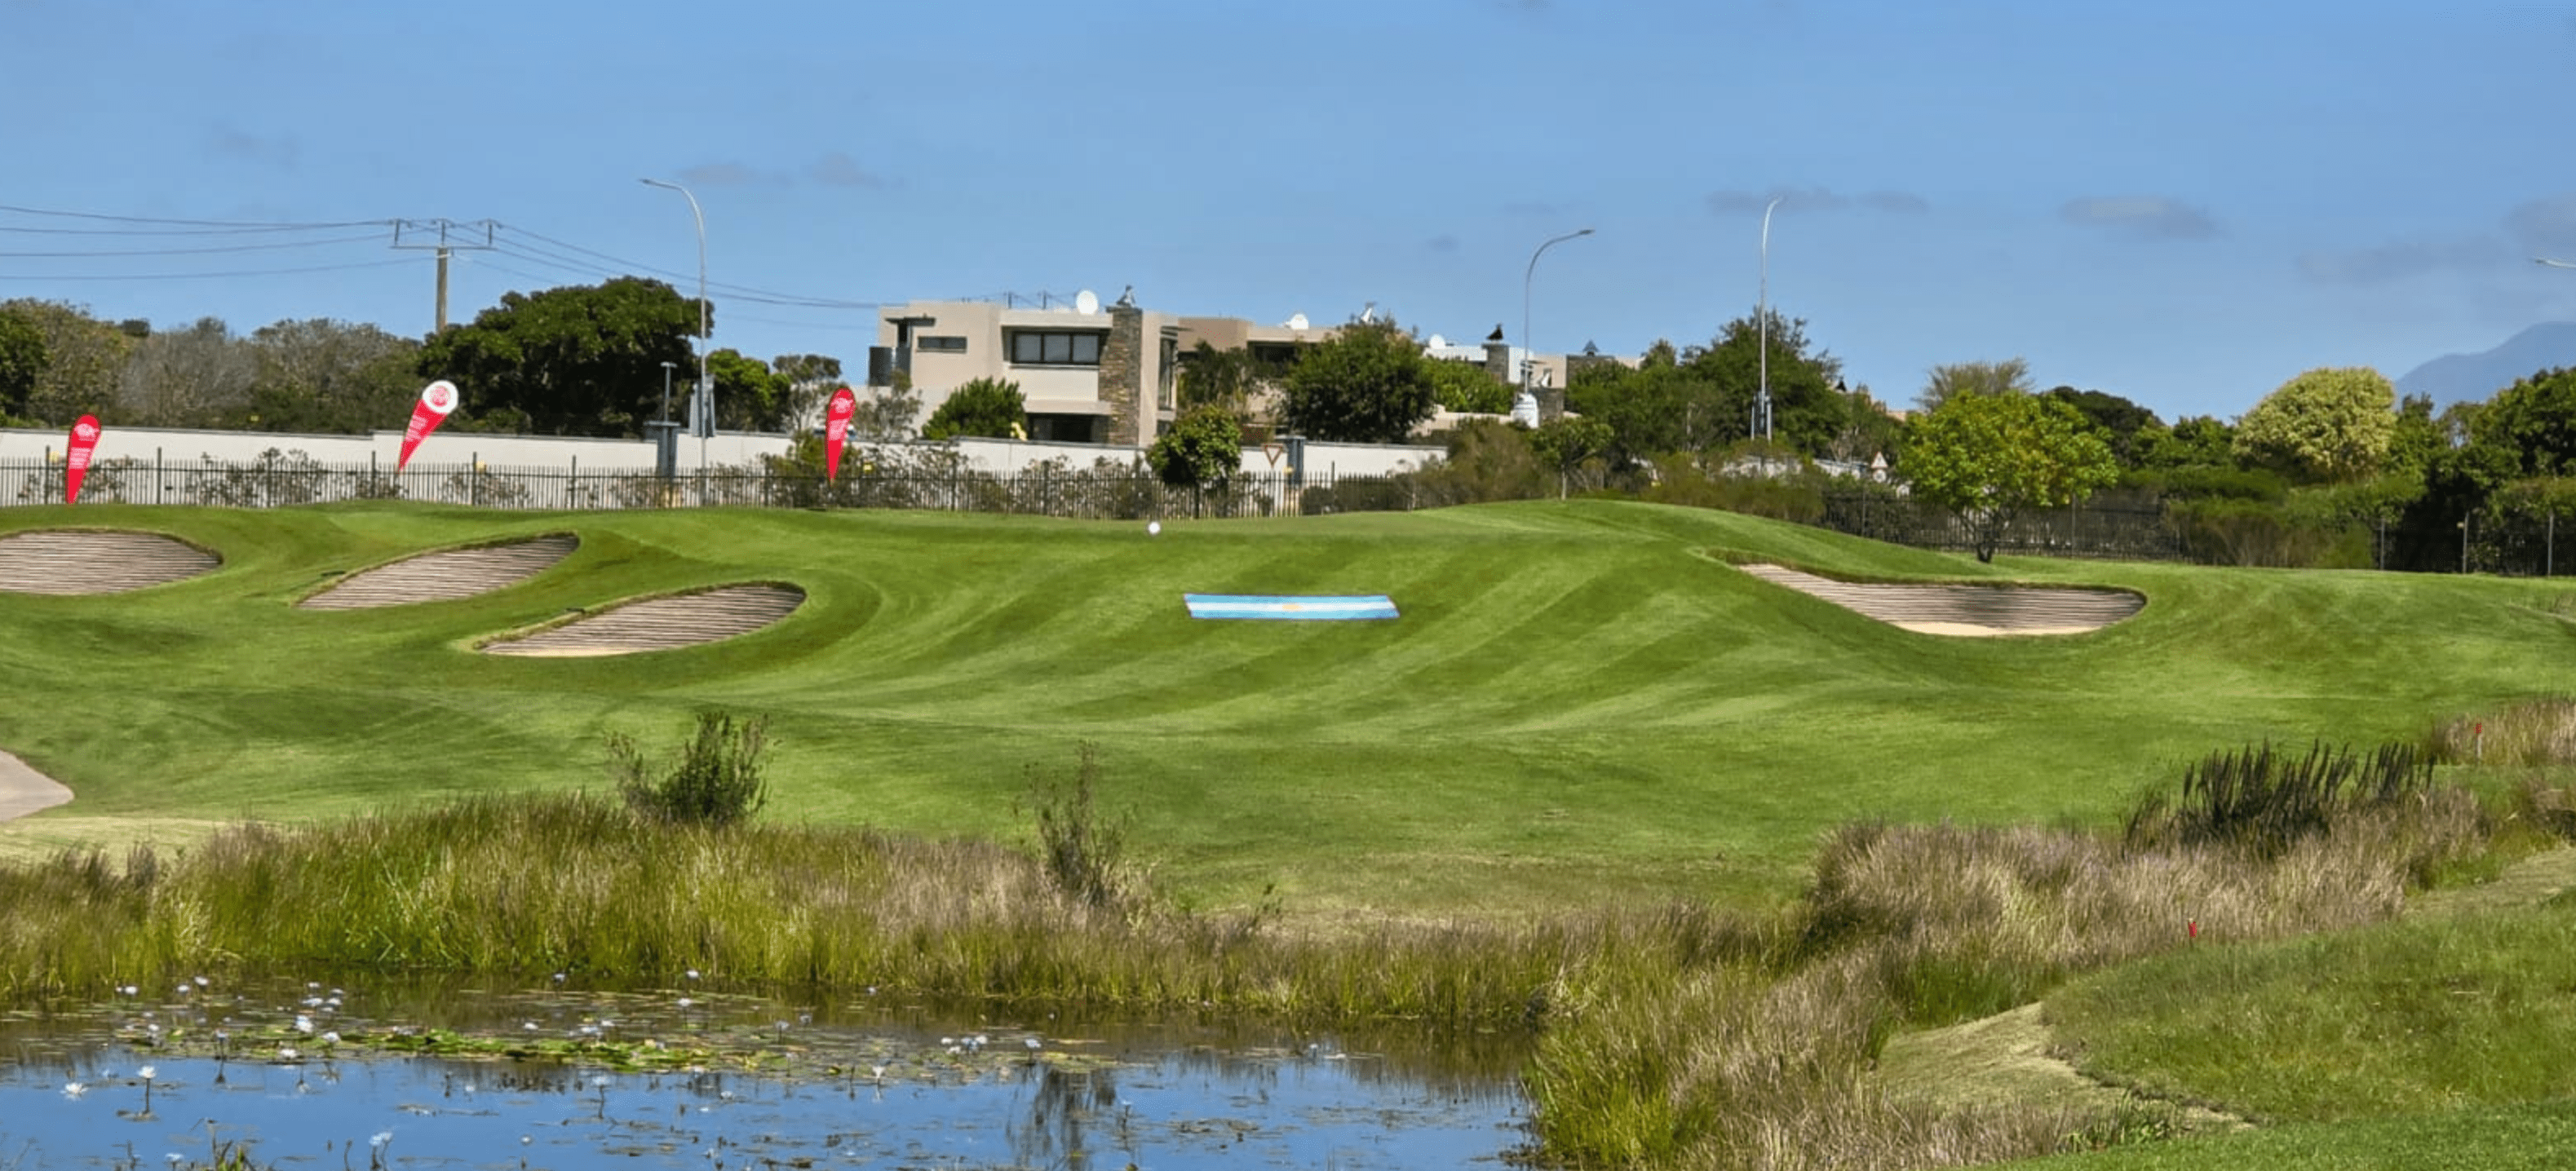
706 399
1762 326
1530 355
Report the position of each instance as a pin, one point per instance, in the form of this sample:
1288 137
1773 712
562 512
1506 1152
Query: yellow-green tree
1992 457
2328 425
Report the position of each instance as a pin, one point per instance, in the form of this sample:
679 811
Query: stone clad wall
1122 376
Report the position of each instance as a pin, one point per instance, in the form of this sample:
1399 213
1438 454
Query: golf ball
1153 528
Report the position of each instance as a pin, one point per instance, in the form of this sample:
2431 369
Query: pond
415 1076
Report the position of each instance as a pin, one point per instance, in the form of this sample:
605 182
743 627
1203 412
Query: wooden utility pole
445 236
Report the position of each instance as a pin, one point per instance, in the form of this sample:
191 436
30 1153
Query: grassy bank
1580 701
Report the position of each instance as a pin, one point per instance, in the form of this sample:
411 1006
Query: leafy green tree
1992 457
2196 442
1566 441
988 407
1202 451
1807 408
1465 386
84 358
749 395
885 414
2328 425
22 362
1368 383
2125 425
573 360
2535 419
330 377
1655 410
2010 376
1220 378
811 379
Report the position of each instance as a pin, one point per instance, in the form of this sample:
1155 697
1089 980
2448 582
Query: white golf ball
1153 528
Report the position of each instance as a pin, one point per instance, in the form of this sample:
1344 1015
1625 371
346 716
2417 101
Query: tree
2010 376
811 379
986 407
22 362
1466 386
1566 441
2328 425
332 377
2198 441
884 414
194 377
1202 451
84 357
749 395
1807 409
1368 383
2535 418
1220 378
573 360
1991 457
2125 425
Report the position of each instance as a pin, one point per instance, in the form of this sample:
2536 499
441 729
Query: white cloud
2147 217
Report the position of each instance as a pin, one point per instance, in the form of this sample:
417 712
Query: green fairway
1582 701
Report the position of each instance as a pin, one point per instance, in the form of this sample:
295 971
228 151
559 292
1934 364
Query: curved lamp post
706 399
1761 427
1530 358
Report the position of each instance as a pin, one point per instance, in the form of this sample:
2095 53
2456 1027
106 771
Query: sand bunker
444 576
661 623
65 561
23 790
1965 610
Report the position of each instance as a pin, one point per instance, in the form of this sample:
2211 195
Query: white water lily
74 1090
145 1073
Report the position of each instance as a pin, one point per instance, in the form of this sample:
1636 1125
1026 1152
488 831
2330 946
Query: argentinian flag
1286 608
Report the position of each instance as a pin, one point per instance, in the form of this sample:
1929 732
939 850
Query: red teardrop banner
76 460
436 401
836 430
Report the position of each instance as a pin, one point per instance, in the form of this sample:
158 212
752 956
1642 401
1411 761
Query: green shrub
1083 852
2261 800
714 779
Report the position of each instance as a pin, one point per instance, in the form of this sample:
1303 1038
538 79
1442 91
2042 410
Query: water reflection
767 1085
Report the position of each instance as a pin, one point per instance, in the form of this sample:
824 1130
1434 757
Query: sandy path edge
23 790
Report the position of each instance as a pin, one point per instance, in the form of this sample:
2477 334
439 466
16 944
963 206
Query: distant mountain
2476 377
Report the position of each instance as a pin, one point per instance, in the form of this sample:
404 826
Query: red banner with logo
76 461
836 430
437 400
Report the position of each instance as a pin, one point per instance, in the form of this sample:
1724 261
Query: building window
941 343
1033 347
1165 371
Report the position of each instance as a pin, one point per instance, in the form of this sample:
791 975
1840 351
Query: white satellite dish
1438 342
1296 321
1086 302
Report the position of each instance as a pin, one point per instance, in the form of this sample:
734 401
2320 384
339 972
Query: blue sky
2181 202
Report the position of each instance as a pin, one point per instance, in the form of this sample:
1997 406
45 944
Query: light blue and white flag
1288 608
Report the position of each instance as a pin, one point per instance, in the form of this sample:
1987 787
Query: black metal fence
1047 489
2121 527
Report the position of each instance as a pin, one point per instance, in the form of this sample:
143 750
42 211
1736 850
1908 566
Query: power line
130 219
188 276
187 251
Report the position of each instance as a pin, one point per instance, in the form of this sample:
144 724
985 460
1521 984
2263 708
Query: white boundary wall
727 449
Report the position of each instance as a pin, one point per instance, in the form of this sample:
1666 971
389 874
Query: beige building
1106 374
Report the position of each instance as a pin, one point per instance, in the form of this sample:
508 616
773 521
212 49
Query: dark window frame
1055 347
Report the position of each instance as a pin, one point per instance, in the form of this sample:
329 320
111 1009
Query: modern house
1107 374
